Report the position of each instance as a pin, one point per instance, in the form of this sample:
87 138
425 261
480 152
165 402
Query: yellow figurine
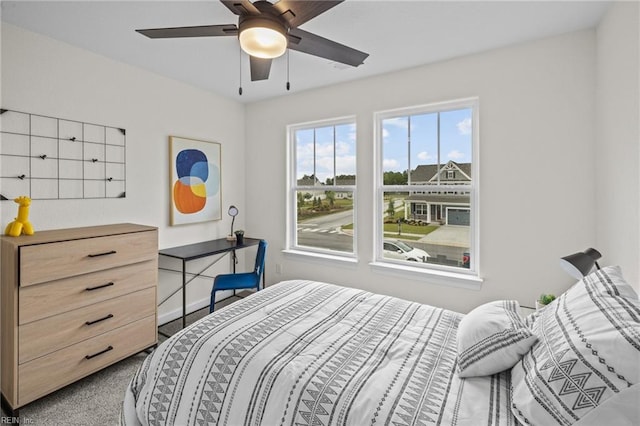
21 224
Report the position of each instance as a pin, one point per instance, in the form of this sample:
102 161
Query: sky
345 151
455 139
455 144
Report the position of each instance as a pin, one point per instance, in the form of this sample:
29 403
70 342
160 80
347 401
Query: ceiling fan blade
241 7
306 42
299 12
199 31
259 68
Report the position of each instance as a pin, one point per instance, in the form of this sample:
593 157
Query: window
421 209
322 187
427 187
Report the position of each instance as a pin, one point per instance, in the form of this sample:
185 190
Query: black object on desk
200 250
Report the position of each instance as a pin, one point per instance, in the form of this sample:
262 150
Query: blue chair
242 280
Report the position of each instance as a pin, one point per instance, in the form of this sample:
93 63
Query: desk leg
184 293
234 260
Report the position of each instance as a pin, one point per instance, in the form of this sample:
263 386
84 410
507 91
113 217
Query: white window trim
468 278
291 246
340 257
436 276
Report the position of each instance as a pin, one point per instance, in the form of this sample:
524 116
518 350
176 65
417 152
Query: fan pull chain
240 71
288 84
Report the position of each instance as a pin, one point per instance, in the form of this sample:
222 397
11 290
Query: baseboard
221 296
177 313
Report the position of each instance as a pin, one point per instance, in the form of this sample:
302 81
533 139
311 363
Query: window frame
452 275
291 241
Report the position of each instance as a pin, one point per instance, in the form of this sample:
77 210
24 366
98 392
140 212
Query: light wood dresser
73 302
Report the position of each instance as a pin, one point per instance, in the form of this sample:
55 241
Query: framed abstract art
195 180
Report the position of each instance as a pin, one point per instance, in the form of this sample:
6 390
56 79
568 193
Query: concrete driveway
449 235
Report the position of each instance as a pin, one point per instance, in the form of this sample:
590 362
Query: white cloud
346 165
424 156
464 126
400 122
389 164
343 148
304 148
324 149
455 155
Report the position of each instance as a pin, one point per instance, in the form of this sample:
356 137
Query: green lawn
395 235
392 228
309 211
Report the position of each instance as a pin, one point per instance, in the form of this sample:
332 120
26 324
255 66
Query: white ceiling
396 34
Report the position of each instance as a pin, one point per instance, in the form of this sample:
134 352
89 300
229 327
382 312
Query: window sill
444 278
321 256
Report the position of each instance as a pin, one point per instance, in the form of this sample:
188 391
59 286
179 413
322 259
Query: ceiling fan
265 31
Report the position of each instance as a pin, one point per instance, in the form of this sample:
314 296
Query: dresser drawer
50 372
46 262
55 297
48 335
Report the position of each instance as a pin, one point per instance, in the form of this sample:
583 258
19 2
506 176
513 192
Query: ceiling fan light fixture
262 38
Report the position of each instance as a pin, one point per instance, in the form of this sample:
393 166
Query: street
324 232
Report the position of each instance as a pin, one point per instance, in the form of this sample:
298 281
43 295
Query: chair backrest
262 251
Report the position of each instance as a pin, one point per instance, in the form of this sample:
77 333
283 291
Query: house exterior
318 188
447 207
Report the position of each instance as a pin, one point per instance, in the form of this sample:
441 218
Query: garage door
458 217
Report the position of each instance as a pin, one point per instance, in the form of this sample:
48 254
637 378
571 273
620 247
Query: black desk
200 250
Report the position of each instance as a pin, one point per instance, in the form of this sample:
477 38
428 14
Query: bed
310 353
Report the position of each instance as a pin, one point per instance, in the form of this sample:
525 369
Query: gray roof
440 198
307 181
425 172
320 185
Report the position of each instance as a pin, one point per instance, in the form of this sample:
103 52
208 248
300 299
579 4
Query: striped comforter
310 353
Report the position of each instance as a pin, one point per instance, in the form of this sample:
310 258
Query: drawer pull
99 319
106 253
99 286
99 353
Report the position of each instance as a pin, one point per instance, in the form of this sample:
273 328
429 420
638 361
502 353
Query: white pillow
492 338
614 283
585 363
621 409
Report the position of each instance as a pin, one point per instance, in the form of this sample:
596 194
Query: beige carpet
94 400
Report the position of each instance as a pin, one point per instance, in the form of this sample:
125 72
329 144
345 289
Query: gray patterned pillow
587 356
492 338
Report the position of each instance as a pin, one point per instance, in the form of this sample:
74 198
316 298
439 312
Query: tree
331 196
308 180
391 210
341 180
395 178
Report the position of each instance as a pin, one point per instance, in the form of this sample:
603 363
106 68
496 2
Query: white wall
44 76
618 139
536 166
539 145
